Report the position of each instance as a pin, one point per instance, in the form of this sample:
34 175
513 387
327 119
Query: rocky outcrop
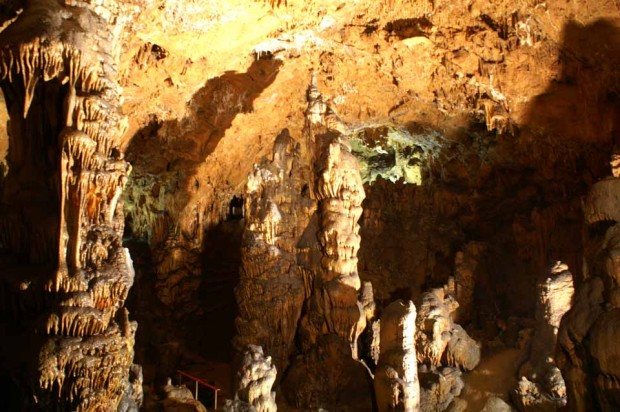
541 384
396 379
254 382
61 210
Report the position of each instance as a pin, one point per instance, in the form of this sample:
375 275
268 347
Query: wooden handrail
203 383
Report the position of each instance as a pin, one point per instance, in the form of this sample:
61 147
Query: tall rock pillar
61 210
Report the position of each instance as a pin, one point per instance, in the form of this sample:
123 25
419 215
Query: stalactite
86 356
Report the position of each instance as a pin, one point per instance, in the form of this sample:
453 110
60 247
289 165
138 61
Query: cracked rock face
61 209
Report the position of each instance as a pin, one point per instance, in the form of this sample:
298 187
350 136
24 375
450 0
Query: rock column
61 210
396 380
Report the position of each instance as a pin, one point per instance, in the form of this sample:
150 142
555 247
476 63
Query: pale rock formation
271 287
587 340
61 210
439 341
541 381
340 192
334 317
443 349
254 382
465 265
396 379
179 399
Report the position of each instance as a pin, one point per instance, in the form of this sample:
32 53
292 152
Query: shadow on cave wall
174 151
534 216
522 198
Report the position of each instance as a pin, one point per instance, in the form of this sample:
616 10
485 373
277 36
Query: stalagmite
443 349
541 382
254 382
334 316
396 380
270 292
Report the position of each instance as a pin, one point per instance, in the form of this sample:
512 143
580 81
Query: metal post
196 390
216 391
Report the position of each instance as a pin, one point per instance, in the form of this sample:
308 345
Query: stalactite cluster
61 212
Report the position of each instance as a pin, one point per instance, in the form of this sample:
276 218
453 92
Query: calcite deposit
61 212
396 379
440 341
272 287
254 382
541 383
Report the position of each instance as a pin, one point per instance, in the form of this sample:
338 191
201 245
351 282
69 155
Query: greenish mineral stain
393 153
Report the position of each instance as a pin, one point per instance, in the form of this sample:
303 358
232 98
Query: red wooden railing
203 383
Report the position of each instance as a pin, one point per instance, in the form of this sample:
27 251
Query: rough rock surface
587 354
512 107
443 348
396 379
541 384
335 317
272 288
439 340
254 382
61 207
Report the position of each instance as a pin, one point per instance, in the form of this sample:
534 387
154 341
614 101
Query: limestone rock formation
465 264
272 287
254 382
443 347
541 381
439 340
587 338
396 379
61 209
334 316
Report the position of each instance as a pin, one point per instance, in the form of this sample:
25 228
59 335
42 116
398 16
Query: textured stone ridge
61 206
334 317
